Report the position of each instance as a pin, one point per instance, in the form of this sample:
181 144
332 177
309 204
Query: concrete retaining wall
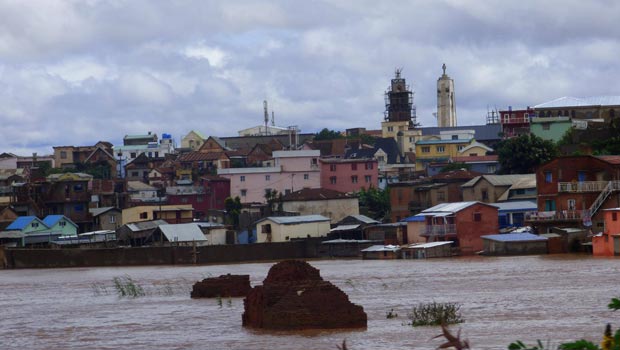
16 258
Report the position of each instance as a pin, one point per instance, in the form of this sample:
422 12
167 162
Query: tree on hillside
376 202
521 155
233 209
327 134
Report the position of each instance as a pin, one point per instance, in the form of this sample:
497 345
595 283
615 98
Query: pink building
607 243
349 175
291 171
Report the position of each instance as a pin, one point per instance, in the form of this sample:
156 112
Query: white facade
446 105
292 171
284 229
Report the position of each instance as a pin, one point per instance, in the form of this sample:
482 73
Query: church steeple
446 107
399 101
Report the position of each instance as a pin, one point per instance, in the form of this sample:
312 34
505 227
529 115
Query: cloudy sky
75 72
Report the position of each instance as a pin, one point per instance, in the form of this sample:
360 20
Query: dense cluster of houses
291 185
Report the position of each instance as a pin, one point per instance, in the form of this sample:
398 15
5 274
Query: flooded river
552 298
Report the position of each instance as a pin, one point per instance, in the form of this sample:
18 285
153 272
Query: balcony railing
559 215
439 230
583 186
516 120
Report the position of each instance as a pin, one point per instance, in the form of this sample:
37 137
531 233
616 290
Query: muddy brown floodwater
552 298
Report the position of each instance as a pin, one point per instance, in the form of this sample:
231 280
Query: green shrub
434 314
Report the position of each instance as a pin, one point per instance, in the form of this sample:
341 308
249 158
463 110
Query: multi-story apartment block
349 175
135 145
572 191
292 170
515 122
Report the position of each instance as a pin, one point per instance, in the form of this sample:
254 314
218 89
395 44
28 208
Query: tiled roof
610 159
475 159
500 180
309 194
289 220
199 156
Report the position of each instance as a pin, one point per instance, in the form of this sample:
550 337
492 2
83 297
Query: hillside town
402 191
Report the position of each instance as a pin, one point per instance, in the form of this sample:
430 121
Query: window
614 216
353 166
548 177
62 223
200 199
572 204
477 217
332 180
441 196
112 219
369 166
242 178
267 177
332 167
381 158
132 155
35 224
411 139
135 174
244 193
491 168
455 137
354 179
390 128
143 215
78 207
78 188
581 176
441 149
314 162
156 154
485 195
150 154
265 228
184 200
426 149
368 179
306 177
460 147
63 155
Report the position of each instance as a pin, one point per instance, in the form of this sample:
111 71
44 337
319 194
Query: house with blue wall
512 214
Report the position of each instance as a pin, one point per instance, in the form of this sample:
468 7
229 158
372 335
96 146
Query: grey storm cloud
75 72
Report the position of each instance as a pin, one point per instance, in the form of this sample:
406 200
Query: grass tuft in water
126 287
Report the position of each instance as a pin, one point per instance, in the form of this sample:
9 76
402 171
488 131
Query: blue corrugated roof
21 222
515 237
51 220
414 218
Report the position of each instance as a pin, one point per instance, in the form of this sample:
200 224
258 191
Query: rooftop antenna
266 116
273 119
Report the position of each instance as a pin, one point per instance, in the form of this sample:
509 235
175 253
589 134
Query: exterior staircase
602 197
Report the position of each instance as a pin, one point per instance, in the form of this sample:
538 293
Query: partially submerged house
461 222
352 227
179 234
514 244
286 228
441 249
381 252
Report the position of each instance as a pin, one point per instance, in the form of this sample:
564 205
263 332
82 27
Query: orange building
607 243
